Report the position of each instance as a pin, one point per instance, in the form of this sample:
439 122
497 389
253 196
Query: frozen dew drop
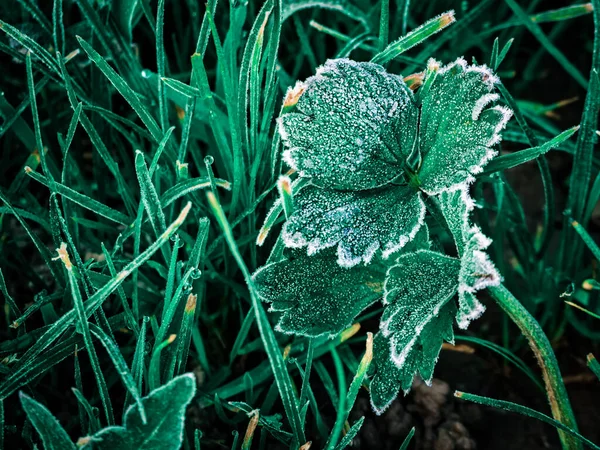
196 273
209 160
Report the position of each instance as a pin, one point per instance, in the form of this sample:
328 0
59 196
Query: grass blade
515 159
415 37
523 410
282 377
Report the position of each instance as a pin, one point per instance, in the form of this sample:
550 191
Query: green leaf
415 290
315 294
165 410
349 126
124 12
477 271
415 37
389 378
357 223
458 130
53 435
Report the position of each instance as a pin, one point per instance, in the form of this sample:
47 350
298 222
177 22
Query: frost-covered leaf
350 126
163 430
456 207
53 435
477 272
389 379
458 129
359 223
415 290
476 269
316 295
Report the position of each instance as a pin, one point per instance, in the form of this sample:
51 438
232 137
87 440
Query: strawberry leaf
457 129
315 294
476 269
357 223
415 290
350 126
165 411
421 359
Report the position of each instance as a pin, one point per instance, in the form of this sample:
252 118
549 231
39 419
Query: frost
369 153
351 127
357 223
415 290
477 271
457 131
315 294
389 379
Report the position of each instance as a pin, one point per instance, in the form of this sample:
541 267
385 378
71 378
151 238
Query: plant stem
555 388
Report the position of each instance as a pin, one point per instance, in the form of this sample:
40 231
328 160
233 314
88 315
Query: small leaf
477 271
53 435
358 223
389 378
415 290
349 125
458 130
163 430
315 294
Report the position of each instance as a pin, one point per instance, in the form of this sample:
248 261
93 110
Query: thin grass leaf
584 150
124 89
182 88
242 335
179 362
33 9
30 45
523 410
130 319
137 365
161 64
58 26
341 6
509 161
21 370
589 241
150 197
503 52
14 309
415 37
82 200
154 368
593 364
463 24
188 186
506 354
537 32
44 252
230 99
345 407
565 13
124 12
83 327
581 308
407 440
282 377
121 366
94 423
350 434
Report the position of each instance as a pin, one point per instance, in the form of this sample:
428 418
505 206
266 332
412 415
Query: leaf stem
539 343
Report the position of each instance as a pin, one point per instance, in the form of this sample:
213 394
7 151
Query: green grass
139 138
